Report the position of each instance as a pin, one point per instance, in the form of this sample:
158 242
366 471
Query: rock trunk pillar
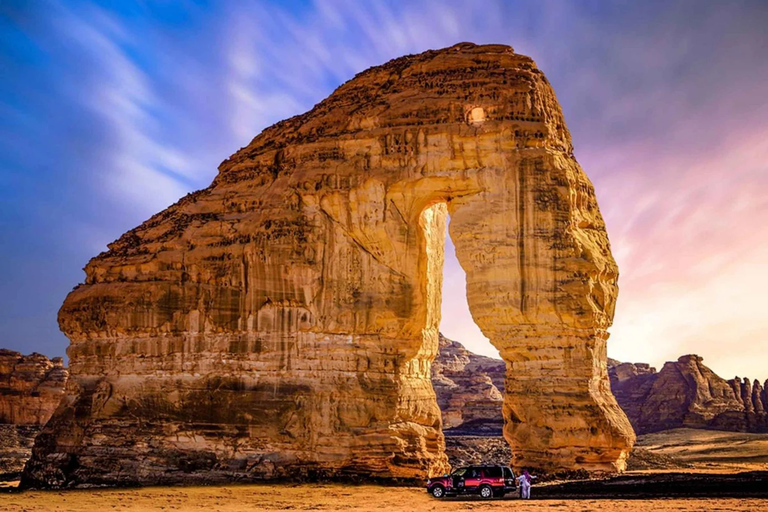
541 284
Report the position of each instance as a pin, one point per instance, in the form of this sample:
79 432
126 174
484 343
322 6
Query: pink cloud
688 231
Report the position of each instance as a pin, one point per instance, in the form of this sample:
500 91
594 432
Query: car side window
508 473
492 472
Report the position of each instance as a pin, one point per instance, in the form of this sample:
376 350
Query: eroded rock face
31 388
749 414
471 450
686 393
283 321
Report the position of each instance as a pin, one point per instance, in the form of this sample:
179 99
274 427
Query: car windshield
459 472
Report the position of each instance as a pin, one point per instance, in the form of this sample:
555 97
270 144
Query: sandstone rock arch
282 322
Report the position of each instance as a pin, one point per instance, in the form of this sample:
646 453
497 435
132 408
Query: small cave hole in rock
476 116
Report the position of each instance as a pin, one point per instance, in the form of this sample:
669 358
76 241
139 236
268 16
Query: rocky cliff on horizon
469 389
686 393
31 388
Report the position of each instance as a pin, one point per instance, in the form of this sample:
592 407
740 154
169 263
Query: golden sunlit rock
281 323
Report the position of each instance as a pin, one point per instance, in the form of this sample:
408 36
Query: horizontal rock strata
467 450
281 323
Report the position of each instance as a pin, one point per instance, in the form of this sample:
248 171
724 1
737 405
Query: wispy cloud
689 234
136 169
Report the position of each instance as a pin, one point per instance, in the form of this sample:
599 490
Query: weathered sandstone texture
282 322
31 388
685 393
469 389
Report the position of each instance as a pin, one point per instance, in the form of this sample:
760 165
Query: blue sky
111 111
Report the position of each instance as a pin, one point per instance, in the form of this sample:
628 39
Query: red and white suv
485 481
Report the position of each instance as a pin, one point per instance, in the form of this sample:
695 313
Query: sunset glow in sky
110 114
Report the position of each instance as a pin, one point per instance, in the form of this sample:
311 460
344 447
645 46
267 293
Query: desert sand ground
699 451
709 450
329 497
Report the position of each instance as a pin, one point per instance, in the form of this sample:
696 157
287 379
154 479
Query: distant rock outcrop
469 450
30 390
469 389
686 393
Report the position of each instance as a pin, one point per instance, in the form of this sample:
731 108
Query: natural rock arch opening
281 323
467 375
456 322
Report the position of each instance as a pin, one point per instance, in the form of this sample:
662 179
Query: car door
472 479
509 478
493 476
457 479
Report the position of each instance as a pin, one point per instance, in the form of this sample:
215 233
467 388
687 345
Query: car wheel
486 492
438 491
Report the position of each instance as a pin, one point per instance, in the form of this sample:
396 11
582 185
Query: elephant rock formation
281 323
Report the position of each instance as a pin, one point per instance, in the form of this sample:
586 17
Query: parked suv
486 481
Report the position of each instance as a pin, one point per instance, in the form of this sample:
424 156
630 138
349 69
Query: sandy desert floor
709 449
329 497
691 451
